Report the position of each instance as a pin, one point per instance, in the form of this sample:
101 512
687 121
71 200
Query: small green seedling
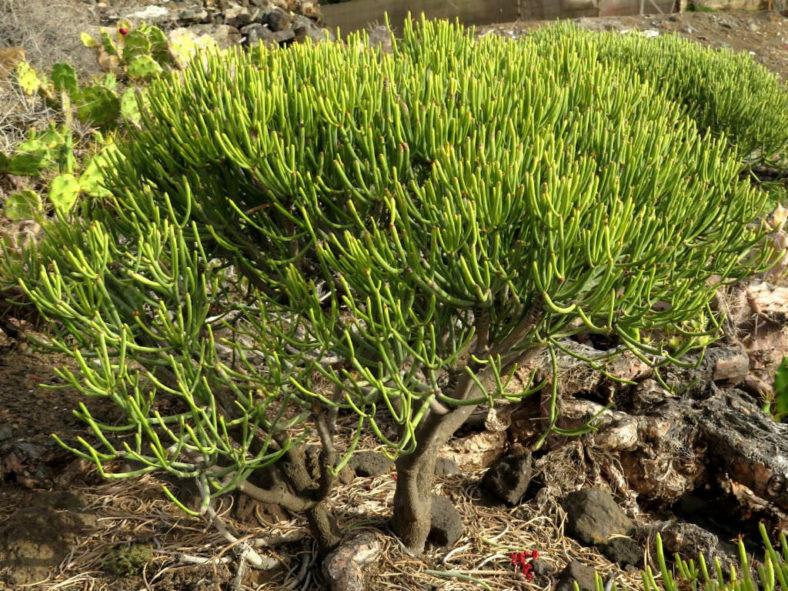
777 404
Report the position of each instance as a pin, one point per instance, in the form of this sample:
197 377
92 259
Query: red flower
521 562
123 31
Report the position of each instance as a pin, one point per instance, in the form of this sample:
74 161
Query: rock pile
274 22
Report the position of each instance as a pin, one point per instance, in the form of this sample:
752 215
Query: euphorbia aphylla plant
725 93
405 228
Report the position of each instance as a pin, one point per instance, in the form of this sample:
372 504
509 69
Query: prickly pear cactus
27 78
129 107
22 205
140 53
97 106
64 78
144 67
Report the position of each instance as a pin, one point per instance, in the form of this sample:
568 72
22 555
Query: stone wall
229 22
359 14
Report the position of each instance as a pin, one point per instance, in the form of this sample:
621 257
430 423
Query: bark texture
415 477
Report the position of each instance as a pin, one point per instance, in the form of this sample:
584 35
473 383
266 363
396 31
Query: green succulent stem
393 233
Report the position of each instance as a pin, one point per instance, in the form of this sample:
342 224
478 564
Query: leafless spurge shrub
727 94
406 228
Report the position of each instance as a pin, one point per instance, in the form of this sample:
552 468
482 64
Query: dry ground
71 505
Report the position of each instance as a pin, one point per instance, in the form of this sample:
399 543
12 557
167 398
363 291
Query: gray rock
370 463
593 517
445 523
256 32
343 567
283 36
306 28
688 540
446 467
543 567
259 15
380 36
576 571
237 16
623 551
278 20
508 478
152 15
224 35
193 16
6 432
30 450
346 475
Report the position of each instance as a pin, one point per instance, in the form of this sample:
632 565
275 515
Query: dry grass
49 32
18 113
187 550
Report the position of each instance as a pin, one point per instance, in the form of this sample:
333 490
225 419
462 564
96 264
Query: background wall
358 14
